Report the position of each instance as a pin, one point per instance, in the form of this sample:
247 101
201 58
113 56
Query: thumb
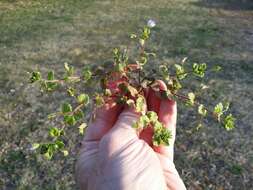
122 132
168 116
105 118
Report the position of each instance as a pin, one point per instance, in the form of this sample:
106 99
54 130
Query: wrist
172 178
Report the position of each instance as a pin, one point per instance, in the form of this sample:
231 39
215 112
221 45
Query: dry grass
46 34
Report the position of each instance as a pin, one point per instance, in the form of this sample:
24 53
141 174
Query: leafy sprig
125 82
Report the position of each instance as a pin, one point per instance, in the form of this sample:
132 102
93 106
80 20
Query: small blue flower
151 23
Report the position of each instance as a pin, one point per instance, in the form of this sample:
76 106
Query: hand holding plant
115 156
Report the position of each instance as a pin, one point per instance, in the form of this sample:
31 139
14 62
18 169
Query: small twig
63 80
77 108
187 72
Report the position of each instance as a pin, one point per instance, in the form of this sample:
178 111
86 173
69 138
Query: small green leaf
140 103
184 60
145 33
48 150
143 60
133 91
48 155
43 148
130 102
99 100
229 122
66 107
218 110
191 97
120 59
142 42
65 152
161 135
199 126
83 99
217 68
180 72
70 119
71 91
35 146
163 69
50 75
199 69
59 144
120 67
152 116
116 52
226 106
86 73
142 122
69 70
203 86
79 115
55 132
174 85
49 86
66 66
36 76
81 128
201 110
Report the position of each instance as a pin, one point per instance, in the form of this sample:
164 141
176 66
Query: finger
146 135
122 132
154 104
168 116
105 118
124 124
153 101
171 175
126 119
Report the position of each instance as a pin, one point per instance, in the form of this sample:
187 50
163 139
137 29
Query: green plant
125 82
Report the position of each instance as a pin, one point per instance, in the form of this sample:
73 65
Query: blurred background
45 34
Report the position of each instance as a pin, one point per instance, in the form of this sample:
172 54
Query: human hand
114 156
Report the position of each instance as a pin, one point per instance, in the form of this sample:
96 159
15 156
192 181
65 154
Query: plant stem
63 80
187 72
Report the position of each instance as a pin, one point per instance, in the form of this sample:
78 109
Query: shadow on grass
233 5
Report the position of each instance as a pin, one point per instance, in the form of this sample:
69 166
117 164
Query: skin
115 157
